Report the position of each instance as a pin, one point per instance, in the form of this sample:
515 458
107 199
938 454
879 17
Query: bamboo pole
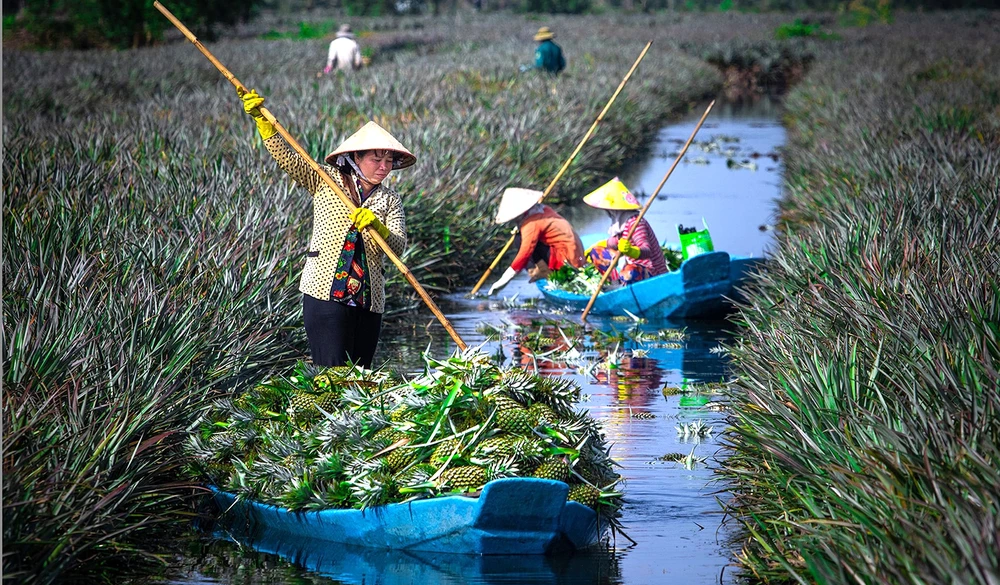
614 261
241 89
566 164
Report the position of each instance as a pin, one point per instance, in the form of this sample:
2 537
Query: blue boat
703 287
511 516
355 565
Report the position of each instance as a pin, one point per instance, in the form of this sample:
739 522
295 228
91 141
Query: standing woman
343 288
642 252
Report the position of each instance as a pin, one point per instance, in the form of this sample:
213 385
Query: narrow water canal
730 179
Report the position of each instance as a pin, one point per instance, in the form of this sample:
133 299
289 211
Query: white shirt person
344 54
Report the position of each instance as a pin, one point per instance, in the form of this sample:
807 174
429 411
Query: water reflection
347 564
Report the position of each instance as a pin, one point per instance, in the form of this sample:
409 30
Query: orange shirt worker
547 239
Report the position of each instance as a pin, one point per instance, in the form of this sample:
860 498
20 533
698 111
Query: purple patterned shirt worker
642 252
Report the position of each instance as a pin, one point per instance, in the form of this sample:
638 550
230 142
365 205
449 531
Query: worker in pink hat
342 285
642 252
547 239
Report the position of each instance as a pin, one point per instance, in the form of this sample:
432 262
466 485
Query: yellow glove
363 217
626 247
251 105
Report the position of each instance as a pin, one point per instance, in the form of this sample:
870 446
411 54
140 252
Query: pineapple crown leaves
197 446
328 466
332 495
343 428
518 384
358 466
297 493
559 393
414 481
279 447
275 472
238 479
373 490
506 467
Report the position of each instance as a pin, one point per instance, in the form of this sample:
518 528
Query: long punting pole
566 164
326 178
614 261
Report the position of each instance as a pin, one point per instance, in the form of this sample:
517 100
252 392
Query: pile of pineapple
584 281
348 437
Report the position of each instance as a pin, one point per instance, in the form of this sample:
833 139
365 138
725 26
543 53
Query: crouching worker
642 252
342 285
547 239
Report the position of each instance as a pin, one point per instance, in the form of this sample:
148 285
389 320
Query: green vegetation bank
866 446
152 248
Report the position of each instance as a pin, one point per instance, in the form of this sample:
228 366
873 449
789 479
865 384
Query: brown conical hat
371 136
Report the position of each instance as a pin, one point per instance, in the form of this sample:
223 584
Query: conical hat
516 201
612 195
374 137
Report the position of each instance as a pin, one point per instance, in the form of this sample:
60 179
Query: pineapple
464 421
302 407
552 468
400 457
325 382
503 402
402 413
544 413
516 420
497 446
585 494
387 436
463 477
446 449
507 446
328 401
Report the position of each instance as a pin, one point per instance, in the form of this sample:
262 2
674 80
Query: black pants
540 253
339 333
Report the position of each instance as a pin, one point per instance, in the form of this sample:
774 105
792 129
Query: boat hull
512 516
702 288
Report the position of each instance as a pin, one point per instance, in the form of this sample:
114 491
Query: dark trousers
539 254
340 333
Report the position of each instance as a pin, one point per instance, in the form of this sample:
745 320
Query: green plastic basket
694 243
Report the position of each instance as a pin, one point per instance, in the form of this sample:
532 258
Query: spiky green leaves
347 437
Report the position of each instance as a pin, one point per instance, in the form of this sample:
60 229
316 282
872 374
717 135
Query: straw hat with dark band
371 136
544 34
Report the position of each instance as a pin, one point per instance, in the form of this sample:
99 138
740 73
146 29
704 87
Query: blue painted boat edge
511 516
666 296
